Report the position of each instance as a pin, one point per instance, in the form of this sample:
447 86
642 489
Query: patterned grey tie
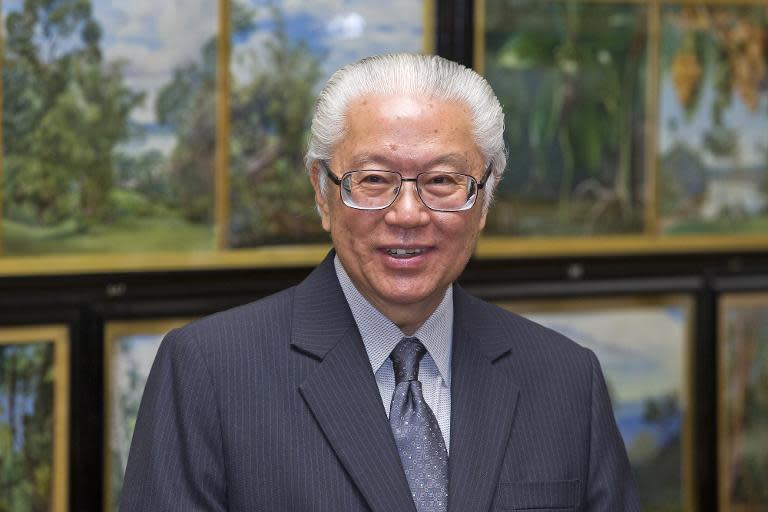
417 434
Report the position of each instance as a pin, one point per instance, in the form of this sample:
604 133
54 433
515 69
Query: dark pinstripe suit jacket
273 406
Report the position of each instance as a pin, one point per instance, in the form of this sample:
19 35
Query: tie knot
406 357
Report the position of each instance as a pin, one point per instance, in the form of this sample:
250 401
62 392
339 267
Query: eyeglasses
375 190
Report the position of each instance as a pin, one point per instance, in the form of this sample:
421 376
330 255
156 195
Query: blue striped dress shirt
380 335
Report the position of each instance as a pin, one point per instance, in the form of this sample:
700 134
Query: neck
409 317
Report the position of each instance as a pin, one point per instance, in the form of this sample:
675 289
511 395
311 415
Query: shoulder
254 314
268 318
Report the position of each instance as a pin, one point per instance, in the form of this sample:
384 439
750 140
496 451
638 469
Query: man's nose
408 210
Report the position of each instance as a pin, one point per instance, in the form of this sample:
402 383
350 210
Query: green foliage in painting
26 426
570 77
65 111
272 199
74 178
188 105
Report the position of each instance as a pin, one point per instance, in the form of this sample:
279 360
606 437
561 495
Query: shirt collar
380 334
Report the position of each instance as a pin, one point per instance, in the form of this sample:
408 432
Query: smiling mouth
404 253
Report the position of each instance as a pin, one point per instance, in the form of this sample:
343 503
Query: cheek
347 227
465 238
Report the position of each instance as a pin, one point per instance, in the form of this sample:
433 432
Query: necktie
417 434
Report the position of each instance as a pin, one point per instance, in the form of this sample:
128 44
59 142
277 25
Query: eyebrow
455 159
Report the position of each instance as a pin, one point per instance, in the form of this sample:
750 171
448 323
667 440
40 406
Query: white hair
409 74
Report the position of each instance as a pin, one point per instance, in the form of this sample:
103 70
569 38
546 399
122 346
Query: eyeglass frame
480 186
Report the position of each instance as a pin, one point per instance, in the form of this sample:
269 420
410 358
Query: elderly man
378 383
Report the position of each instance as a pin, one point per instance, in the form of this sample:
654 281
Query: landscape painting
34 418
108 126
743 403
282 53
643 345
713 120
571 77
129 351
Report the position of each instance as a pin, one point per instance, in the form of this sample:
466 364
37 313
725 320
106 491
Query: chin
411 296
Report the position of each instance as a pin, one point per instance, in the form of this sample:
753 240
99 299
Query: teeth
405 252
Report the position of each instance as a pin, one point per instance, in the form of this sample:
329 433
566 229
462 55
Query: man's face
409 135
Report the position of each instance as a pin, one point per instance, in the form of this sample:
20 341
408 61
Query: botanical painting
32 385
713 119
108 125
282 53
130 349
571 77
642 347
743 358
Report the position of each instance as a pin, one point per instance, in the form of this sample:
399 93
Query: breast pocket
554 496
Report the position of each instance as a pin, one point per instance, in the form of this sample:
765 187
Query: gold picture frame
54 342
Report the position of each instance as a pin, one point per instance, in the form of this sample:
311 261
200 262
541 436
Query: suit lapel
483 399
342 392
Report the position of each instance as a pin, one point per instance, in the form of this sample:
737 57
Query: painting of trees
65 111
113 112
571 78
33 383
92 155
713 127
26 426
271 196
282 53
744 403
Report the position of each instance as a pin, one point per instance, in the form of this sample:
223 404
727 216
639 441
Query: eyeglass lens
445 191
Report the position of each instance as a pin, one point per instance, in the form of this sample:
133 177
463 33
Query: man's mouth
404 253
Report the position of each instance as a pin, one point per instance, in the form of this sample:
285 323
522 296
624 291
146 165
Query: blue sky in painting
641 352
752 126
675 126
152 39
136 351
338 32
24 400
25 405
640 349
11 5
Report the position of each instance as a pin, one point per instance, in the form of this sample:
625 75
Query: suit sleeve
176 457
611 486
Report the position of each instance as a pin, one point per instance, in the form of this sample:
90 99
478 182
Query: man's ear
322 203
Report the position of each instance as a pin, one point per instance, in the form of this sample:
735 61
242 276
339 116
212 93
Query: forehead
404 107
406 127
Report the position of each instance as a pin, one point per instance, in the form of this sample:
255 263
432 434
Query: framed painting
743 402
571 77
108 126
712 176
34 418
635 126
129 350
127 145
644 345
281 54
